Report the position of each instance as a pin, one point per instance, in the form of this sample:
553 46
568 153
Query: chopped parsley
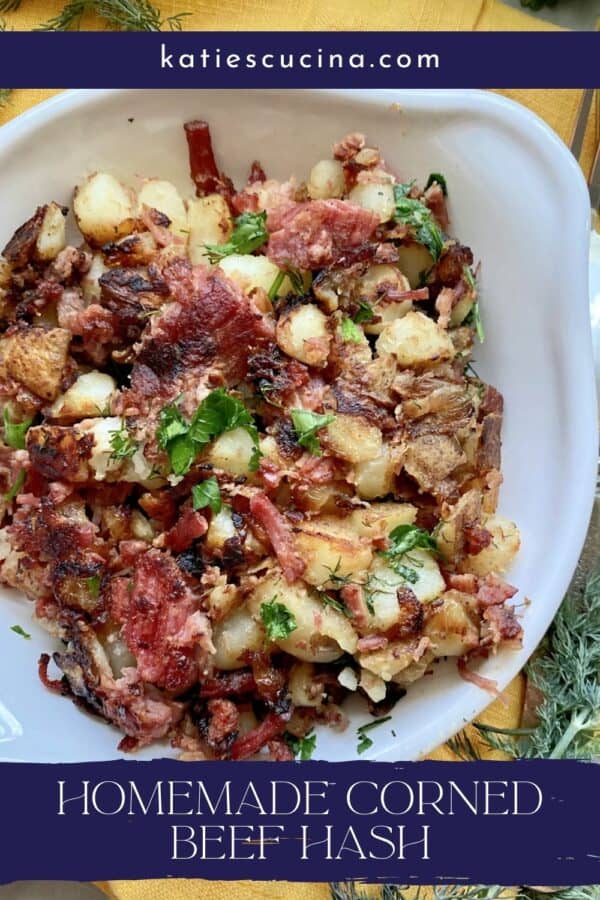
404 538
279 622
365 312
364 741
249 233
435 176
306 424
20 631
15 489
93 584
219 412
207 493
419 219
122 444
304 747
351 331
14 432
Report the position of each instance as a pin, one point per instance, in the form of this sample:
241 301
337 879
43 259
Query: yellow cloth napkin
557 107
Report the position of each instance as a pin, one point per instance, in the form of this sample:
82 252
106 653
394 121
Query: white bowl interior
516 197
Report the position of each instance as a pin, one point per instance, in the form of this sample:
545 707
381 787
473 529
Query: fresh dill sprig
566 672
119 15
353 891
463 747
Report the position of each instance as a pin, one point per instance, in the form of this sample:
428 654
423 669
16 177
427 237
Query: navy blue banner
530 822
300 60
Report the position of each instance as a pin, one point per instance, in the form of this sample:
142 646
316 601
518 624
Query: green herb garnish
120 15
435 176
14 432
207 493
274 289
93 583
351 331
364 742
419 219
365 312
183 441
20 631
328 600
249 233
404 538
306 424
474 320
122 444
279 622
304 747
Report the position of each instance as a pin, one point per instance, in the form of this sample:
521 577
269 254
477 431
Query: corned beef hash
247 466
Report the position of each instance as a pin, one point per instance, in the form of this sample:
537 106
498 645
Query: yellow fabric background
557 107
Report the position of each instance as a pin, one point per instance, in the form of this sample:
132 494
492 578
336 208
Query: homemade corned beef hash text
247 465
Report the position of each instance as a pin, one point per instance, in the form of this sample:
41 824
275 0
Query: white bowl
517 197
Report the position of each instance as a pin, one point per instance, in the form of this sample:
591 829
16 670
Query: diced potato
450 533
141 528
352 438
102 461
415 261
117 653
499 555
164 196
209 222
462 309
250 272
232 452
373 686
234 636
326 551
89 396
51 239
429 583
388 662
380 518
303 333
222 599
104 209
36 357
376 477
90 283
326 180
378 197
453 627
373 286
348 678
321 634
221 529
415 340
302 687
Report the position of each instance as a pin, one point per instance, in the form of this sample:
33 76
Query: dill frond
119 15
463 747
567 674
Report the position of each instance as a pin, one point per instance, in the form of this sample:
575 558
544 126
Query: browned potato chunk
353 438
302 333
452 626
331 549
36 358
104 209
